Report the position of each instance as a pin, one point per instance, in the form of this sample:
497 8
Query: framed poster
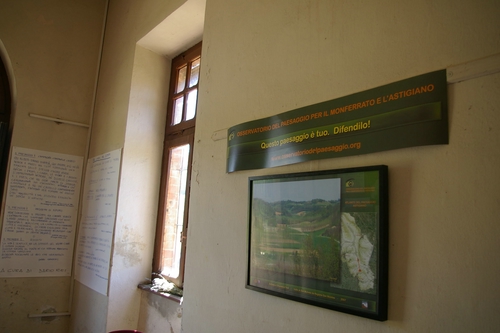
321 238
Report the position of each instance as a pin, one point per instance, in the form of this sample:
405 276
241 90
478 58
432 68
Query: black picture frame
321 238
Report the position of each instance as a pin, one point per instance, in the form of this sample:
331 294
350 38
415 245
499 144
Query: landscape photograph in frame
321 238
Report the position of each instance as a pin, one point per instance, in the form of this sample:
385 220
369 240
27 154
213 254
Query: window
171 231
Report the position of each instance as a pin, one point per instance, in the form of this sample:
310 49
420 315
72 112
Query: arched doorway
5 115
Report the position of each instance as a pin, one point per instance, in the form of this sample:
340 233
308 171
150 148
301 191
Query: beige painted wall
128 21
138 194
159 315
129 114
53 48
262 58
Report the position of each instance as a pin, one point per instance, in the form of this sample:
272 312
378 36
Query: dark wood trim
5 116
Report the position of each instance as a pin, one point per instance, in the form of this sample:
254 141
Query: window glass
181 79
191 104
178 106
174 210
195 73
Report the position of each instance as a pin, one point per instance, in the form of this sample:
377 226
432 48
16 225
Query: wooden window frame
176 135
177 63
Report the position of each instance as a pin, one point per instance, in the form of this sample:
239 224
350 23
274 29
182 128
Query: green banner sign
408 113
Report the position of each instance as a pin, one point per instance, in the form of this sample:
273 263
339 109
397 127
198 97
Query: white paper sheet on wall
95 236
41 207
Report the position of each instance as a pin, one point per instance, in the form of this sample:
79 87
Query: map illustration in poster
40 215
321 238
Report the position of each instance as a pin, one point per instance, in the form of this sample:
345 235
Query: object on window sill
163 287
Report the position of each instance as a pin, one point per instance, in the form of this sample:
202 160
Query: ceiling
179 31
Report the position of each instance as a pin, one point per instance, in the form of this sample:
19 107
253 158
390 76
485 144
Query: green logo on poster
349 182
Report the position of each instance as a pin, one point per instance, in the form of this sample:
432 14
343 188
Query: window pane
181 79
178 105
195 73
174 210
191 104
